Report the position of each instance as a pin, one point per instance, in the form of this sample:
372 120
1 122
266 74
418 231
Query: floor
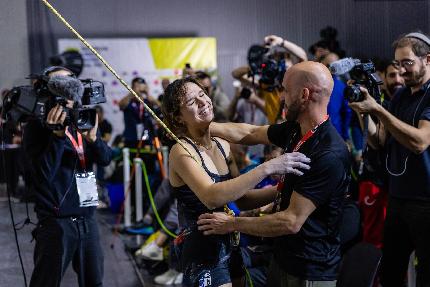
119 267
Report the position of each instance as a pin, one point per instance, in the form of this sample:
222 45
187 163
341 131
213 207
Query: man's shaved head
308 85
312 75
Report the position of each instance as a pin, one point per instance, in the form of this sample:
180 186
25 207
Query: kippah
419 36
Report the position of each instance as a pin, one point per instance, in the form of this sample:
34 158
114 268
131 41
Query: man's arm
123 103
241 74
100 151
184 168
294 49
240 133
285 222
256 198
415 139
258 102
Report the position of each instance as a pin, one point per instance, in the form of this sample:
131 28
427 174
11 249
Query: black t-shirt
410 173
314 252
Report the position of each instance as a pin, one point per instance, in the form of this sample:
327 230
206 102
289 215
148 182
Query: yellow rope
59 16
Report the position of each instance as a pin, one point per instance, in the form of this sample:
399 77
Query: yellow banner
174 53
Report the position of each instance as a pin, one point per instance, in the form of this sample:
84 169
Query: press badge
87 189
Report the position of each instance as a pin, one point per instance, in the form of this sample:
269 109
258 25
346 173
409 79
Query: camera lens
353 94
245 93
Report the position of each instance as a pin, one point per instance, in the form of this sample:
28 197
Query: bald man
308 208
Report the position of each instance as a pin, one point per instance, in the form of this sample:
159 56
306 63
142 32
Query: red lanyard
307 136
79 147
141 109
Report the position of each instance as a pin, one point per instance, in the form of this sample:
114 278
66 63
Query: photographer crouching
61 157
404 129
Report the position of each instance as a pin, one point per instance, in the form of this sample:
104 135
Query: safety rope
160 122
151 199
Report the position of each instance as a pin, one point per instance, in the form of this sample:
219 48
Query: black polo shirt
409 172
314 252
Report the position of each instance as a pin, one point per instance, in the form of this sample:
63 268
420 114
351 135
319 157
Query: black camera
24 103
363 74
245 93
268 63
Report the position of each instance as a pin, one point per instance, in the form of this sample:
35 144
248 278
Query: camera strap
78 146
305 138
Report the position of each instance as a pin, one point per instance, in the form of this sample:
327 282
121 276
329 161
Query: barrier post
127 202
165 152
138 191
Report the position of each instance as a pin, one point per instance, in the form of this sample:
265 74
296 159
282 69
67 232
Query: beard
392 88
413 79
293 111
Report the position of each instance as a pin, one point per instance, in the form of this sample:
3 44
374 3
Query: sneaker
151 252
169 277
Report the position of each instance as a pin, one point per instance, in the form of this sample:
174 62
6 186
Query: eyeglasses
403 63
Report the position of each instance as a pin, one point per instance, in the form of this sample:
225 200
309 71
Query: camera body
24 103
268 63
363 74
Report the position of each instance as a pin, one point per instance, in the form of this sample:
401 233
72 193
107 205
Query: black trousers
407 228
60 241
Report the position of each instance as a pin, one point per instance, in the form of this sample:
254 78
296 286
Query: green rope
142 150
248 277
151 199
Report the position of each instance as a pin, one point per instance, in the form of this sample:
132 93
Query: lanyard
79 147
309 134
141 110
306 137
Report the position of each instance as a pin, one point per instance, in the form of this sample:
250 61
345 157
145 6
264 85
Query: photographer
137 122
405 131
247 107
270 63
61 158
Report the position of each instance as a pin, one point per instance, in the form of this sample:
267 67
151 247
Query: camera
245 93
268 63
363 73
24 103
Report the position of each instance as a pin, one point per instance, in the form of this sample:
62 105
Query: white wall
14 56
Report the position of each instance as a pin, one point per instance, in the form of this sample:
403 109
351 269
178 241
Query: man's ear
428 59
306 93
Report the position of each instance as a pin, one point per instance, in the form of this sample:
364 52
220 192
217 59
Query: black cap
138 80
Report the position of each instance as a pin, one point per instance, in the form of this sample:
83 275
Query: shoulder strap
198 152
221 149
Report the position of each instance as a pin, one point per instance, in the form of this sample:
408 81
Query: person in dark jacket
66 195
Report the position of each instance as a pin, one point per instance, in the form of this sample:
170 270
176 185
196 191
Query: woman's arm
214 195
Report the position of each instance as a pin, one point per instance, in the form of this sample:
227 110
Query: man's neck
309 122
